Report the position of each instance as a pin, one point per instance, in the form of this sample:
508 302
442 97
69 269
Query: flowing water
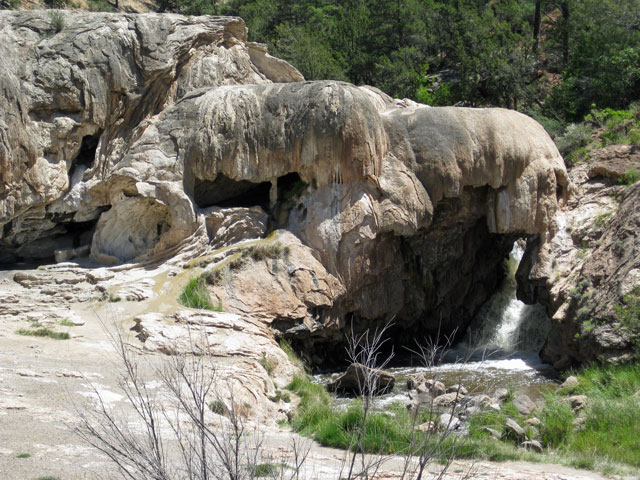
499 349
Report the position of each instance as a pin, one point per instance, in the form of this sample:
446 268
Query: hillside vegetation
553 59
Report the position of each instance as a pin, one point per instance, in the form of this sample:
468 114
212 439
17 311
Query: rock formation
584 272
145 135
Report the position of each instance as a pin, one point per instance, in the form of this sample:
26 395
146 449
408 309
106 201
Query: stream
499 350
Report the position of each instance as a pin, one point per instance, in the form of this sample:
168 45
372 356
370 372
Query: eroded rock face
582 274
133 134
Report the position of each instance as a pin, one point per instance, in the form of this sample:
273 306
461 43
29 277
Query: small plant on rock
195 295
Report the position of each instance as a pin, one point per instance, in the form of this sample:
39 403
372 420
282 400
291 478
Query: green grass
286 347
44 332
388 432
67 323
23 455
609 441
632 176
267 469
195 295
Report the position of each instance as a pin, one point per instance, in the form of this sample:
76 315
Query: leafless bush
187 429
172 432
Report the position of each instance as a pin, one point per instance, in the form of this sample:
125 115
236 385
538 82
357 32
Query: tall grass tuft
195 295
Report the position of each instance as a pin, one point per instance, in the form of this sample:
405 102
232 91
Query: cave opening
290 186
226 192
87 154
67 239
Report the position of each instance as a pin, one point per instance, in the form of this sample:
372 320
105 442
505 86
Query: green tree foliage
470 52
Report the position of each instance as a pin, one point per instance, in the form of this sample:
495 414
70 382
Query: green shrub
631 177
286 347
195 295
214 277
267 469
57 21
218 406
44 332
23 455
628 313
575 136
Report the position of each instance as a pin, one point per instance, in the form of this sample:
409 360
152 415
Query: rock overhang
184 107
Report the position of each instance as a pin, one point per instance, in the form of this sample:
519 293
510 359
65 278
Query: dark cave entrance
87 153
226 192
65 235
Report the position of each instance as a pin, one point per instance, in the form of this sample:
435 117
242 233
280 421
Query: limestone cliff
140 135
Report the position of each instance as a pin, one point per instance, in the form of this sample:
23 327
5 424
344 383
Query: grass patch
286 347
259 252
195 295
67 323
114 298
23 455
632 176
44 332
218 406
267 469
388 432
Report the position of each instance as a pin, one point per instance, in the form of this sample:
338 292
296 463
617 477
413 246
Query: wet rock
524 405
534 445
359 379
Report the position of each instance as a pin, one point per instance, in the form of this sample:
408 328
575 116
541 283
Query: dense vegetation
553 59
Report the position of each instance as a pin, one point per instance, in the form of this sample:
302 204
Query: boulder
533 421
448 421
534 445
457 388
524 405
447 400
577 402
513 431
359 380
570 382
137 134
428 427
494 433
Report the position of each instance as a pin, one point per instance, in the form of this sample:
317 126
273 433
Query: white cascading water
505 323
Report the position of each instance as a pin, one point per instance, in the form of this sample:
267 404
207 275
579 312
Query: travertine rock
589 265
127 132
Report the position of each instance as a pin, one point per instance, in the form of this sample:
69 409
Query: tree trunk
536 25
564 7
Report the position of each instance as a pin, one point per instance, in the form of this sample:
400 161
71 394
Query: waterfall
505 323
